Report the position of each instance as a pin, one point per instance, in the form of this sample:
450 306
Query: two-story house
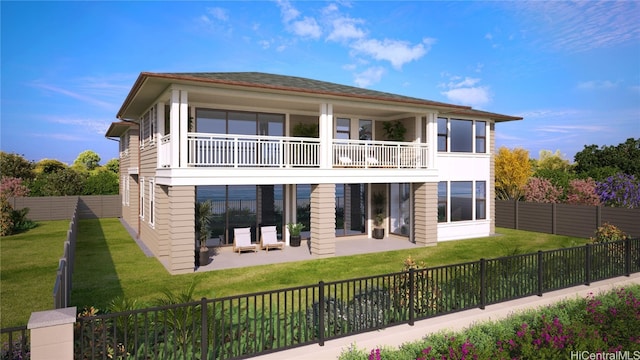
274 149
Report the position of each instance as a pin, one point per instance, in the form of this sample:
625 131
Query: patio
225 258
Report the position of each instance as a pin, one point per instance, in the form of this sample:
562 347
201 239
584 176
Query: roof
297 85
116 129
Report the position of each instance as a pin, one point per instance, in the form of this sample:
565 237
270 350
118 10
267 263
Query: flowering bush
607 233
582 192
606 323
619 190
13 187
541 190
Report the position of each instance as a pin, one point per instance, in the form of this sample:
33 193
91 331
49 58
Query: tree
512 171
621 190
87 159
49 166
113 165
63 182
602 162
102 182
15 166
551 161
582 192
13 187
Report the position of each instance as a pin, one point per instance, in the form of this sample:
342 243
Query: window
365 132
442 134
147 127
481 200
461 133
442 201
142 198
127 189
342 128
400 208
461 200
152 199
481 137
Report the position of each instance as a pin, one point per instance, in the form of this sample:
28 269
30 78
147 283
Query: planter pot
378 233
204 256
294 240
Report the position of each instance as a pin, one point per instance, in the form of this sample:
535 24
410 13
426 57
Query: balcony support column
425 215
432 140
323 220
326 135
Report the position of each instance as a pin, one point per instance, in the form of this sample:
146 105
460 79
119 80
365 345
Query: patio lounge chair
269 238
242 240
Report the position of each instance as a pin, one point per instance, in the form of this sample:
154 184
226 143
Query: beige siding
491 196
147 169
425 213
323 220
181 232
162 221
130 213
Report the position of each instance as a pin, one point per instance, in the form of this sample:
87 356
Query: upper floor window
147 127
343 127
457 135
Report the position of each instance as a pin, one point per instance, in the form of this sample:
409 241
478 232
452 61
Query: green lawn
110 264
29 262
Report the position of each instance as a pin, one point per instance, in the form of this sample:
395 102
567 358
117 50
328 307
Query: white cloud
75 95
218 13
307 27
571 129
397 52
287 11
92 126
369 77
473 96
345 28
594 85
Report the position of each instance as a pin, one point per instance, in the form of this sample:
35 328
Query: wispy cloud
86 125
61 136
370 76
397 52
307 27
577 26
571 129
595 84
215 20
75 95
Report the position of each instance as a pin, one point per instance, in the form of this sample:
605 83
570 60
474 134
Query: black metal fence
242 326
15 343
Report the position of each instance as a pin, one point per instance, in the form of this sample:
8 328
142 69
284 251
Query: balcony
206 150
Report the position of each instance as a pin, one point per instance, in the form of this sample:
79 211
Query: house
272 149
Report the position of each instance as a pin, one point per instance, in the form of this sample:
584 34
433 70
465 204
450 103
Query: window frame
152 202
142 189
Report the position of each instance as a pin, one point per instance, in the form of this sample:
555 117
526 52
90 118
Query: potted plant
394 130
203 224
294 233
378 205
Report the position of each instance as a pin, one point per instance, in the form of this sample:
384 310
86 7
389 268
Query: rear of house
271 150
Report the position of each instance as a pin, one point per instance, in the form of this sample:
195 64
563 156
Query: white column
52 334
174 119
160 133
326 135
432 140
418 127
184 127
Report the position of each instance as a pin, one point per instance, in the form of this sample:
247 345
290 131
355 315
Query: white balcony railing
228 150
377 154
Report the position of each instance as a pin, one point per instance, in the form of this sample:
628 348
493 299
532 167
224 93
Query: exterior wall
147 169
181 233
130 212
425 213
323 220
491 194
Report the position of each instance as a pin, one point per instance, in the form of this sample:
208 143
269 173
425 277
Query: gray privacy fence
63 207
564 219
242 326
62 285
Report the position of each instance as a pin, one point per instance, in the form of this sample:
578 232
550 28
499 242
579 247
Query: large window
237 122
456 135
456 200
400 208
343 127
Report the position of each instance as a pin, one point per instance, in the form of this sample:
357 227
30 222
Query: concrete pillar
52 334
323 220
426 213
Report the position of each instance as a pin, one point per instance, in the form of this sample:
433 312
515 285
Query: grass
110 264
29 261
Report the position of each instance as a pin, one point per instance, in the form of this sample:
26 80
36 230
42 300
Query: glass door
400 209
350 209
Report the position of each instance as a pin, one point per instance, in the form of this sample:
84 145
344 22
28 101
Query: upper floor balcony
213 150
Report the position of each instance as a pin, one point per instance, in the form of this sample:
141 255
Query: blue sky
571 69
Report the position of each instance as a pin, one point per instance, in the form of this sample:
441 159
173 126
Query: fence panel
511 278
506 214
539 217
563 268
625 219
576 220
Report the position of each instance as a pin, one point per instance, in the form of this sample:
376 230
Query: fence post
321 313
204 337
627 257
515 214
540 272
483 283
587 267
553 218
52 333
412 295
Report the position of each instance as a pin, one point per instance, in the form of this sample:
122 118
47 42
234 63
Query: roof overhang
116 129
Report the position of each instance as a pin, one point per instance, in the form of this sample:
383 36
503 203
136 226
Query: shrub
609 233
620 190
13 221
582 192
13 187
541 190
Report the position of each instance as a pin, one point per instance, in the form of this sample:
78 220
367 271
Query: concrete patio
223 257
